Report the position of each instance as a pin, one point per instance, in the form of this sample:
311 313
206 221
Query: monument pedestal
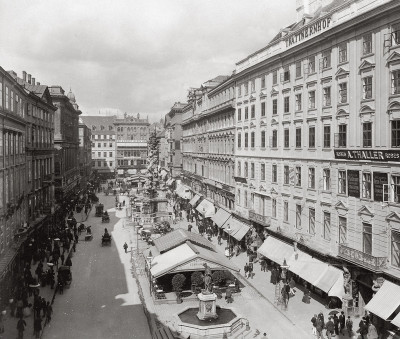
207 306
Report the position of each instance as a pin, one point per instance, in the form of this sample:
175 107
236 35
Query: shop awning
385 301
309 269
170 181
337 290
240 229
183 192
328 279
194 200
276 250
206 208
221 217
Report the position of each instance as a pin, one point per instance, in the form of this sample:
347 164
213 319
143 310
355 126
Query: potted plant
177 283
197 279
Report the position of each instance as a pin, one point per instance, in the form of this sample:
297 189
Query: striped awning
221 217
385 301
194 200
276 250
206 208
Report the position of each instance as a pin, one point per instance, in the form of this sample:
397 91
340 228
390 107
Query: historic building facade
103 144
85 153
317 136
208 141
173 134
132 135
66 143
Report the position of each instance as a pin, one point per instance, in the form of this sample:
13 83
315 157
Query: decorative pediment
274 92
341 205
341 72
262 188
263 93
252 124
342 112
393 57
393 106
366 109
393 217
326 80
252 97
365 210
274 121
262 123
366 65
251 186
273 191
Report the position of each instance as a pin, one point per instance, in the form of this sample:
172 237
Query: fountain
208 320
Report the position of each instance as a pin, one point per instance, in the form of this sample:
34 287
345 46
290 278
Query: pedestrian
320 328
74 246
1 323
62 257
180 216
372 332
342 322
219 238
37 327
60 286
68 262
190 228
336 323
20 306
262 264
21 327
349 326
228 296
251 270
330 328
292 285
126 247
314 325
76 237
363 328
49 311
246 269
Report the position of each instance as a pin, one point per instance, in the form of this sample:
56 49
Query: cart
106 240
64 274
99 210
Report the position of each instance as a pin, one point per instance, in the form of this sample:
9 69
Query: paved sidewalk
298 313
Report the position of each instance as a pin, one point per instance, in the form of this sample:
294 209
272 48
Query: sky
134 56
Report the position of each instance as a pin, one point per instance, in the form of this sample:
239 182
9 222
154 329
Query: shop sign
309 31
353 183
370 155
380 179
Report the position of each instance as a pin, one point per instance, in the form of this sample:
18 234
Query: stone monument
207 299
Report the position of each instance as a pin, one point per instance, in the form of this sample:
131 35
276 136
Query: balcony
376 264
259 218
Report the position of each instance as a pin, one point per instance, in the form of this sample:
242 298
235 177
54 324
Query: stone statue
207 279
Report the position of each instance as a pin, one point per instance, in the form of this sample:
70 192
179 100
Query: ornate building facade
85 153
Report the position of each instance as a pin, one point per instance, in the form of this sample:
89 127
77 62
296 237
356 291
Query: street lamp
149 261
285 268
229 230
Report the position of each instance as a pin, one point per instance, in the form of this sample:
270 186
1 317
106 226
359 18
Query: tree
197 278
219 277
177 282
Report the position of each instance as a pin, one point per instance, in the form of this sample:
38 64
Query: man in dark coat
330 327
342 322
21 327
336 323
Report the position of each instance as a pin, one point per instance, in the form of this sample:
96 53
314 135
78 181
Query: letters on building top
308 31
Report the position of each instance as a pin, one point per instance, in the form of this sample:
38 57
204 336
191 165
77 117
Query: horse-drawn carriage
106 239
99 210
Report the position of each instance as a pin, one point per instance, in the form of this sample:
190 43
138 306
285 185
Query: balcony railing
259 218
376 264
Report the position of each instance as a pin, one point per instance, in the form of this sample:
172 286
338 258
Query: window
263 81
366 185
7 99
286 138
273 202
342 182
274 173
239 114
367 134
99 145
298 176
246 139
239 90
110 154
99 154
311 137
396 133
104 144
110 144
395 35
311 99
286 211
298 137
286 73
327 179
246 201
342 230
253 111
327 136
311 177
395 249
327 226
105 154
239 140
311 64
263 141
298 69
367 238
252 170
263 172
275 77
298 102
246 113
343 92
327 96
342 135
367 44
311 220
239 169
396 188
246 169
253 85
367 87
253 139
326 59
395 82
111 163
275 138
275 106
343 52
246 88
286 175
286 105
298 216
99 164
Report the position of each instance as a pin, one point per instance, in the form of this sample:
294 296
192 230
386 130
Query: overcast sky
134 55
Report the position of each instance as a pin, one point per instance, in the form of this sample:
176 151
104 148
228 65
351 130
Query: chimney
33 81
29 78
24 75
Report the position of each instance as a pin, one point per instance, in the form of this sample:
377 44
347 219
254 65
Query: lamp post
285 268
229 230
149 261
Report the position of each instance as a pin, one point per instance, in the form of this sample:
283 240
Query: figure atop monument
207 279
